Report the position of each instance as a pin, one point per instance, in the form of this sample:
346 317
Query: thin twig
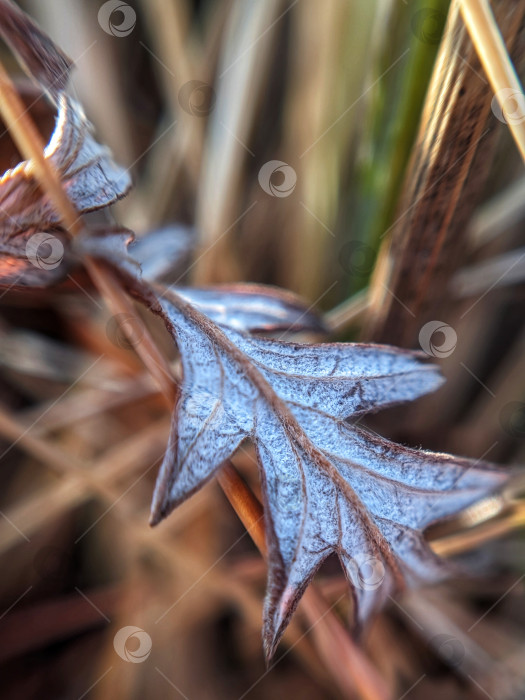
31 145
465 540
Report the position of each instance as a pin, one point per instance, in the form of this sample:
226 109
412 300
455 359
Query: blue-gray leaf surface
253 307
328 485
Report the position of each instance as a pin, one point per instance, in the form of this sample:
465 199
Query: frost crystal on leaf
329 486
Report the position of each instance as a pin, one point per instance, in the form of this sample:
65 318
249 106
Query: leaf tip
277 615
271 638
154 519
159 511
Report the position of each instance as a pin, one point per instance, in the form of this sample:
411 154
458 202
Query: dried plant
329 483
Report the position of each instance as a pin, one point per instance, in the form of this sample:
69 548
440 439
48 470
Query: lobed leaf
164 256
328 486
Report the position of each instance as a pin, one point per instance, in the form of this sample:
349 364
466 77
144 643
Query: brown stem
147 349
245 504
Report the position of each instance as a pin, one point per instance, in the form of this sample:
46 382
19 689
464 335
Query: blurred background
349 151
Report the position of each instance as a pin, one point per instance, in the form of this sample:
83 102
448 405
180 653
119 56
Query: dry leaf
39 55
33 247
242 306
253 307
90 178
329 486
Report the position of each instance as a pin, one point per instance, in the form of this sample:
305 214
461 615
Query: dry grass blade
448 167
347 313
498 215
512 518
493 55
77 472
240 82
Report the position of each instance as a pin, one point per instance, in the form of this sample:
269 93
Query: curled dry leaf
34 248
89 176
329 486
40 56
